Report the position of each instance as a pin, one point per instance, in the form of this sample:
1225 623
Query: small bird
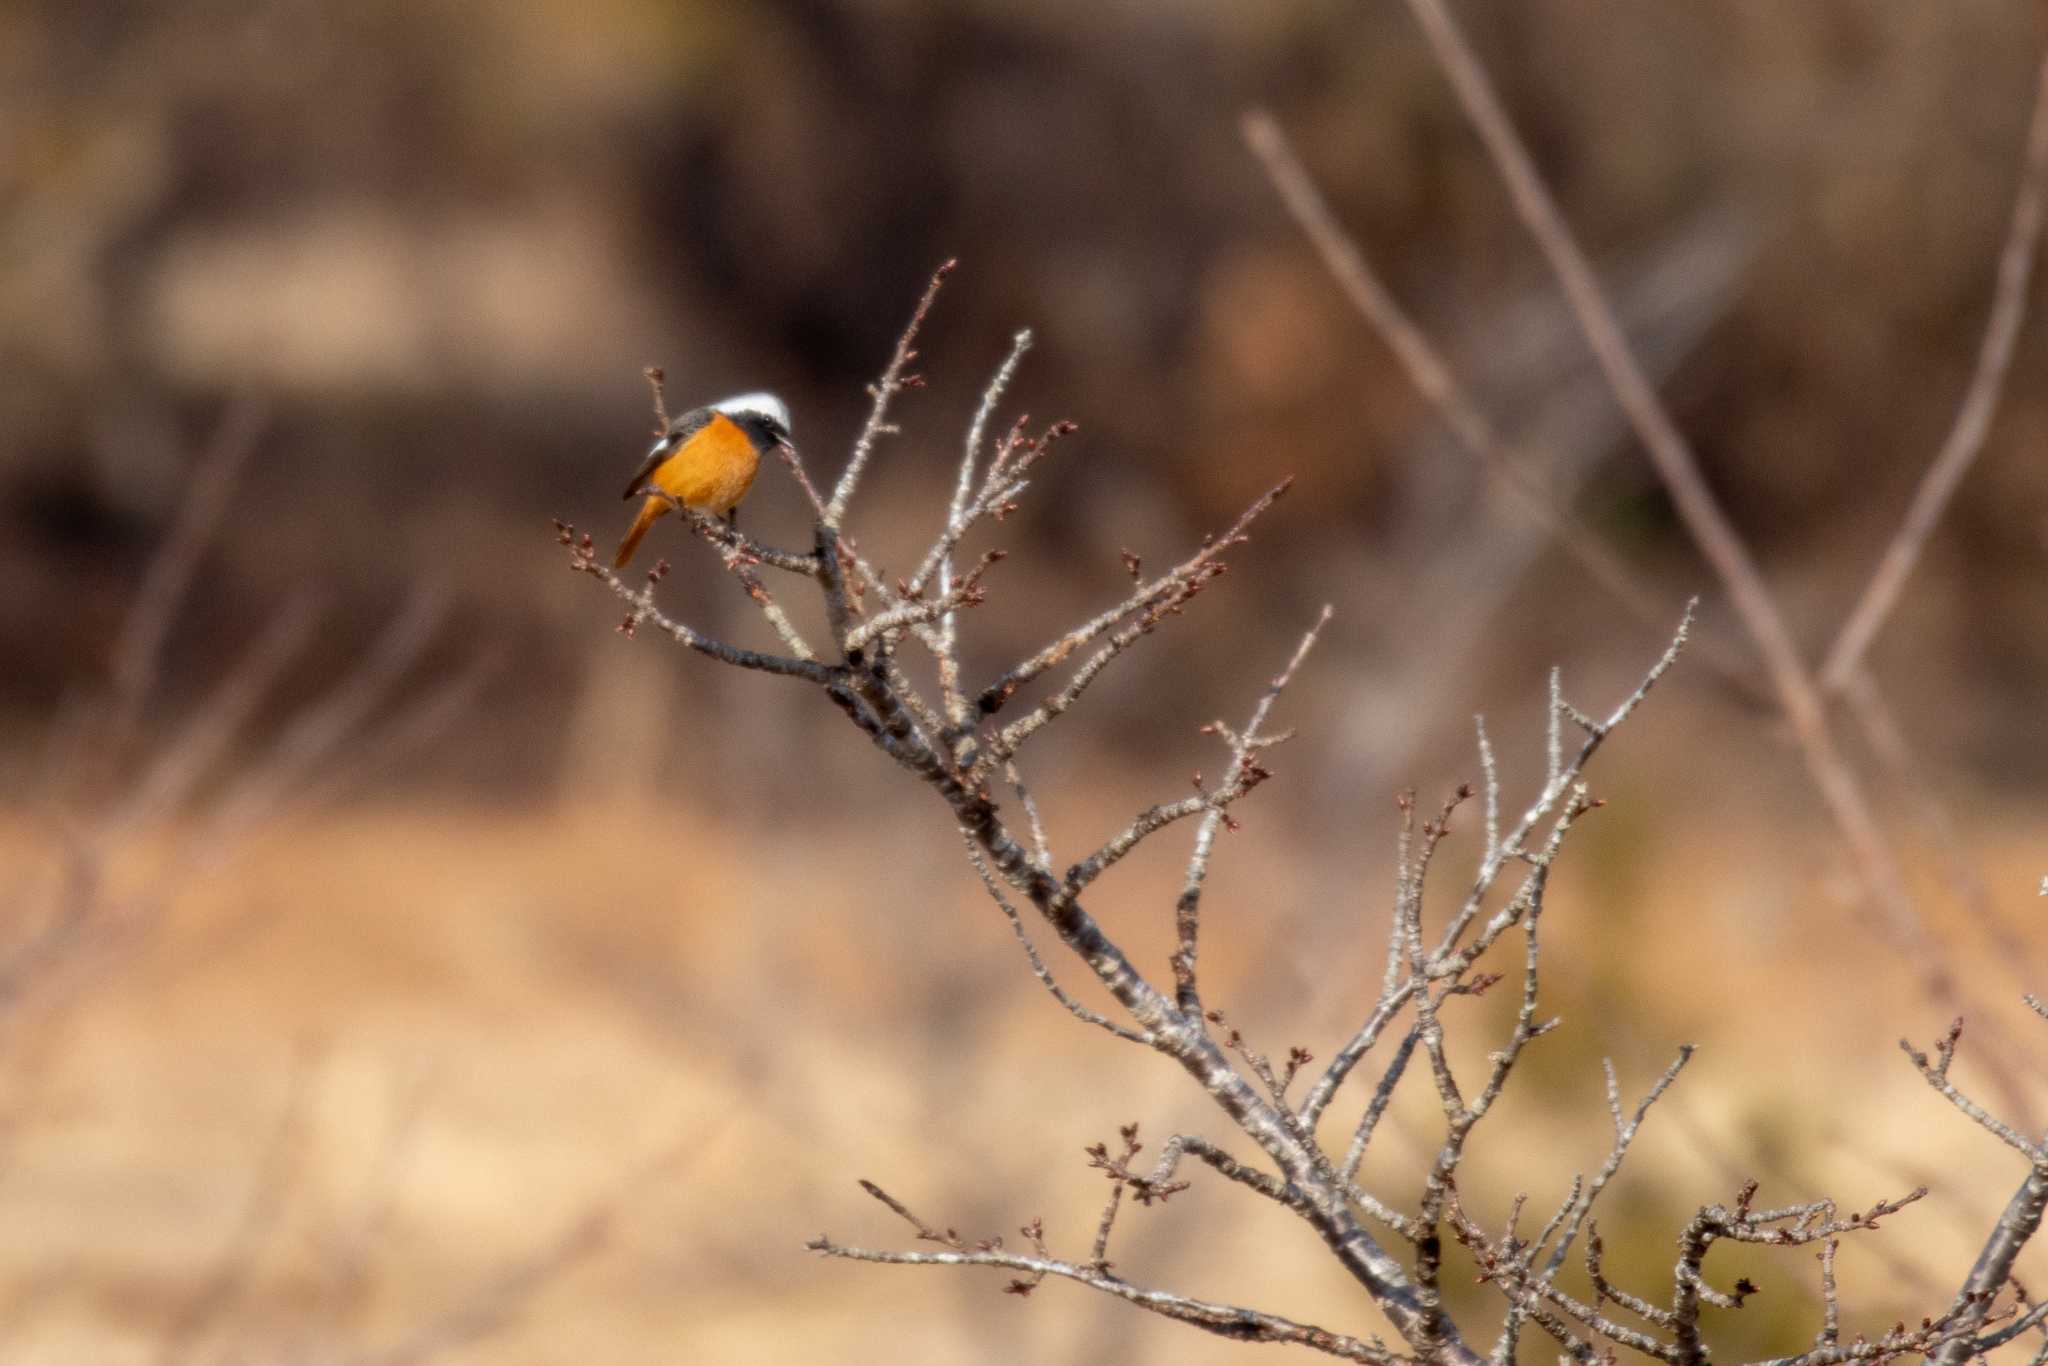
707 459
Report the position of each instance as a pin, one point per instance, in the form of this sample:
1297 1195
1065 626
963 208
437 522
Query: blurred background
401 965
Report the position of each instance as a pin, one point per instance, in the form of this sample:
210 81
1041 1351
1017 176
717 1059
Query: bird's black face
763 429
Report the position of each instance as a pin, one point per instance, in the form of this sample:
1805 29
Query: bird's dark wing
679 431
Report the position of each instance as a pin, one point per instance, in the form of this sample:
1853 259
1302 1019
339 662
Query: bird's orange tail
649 510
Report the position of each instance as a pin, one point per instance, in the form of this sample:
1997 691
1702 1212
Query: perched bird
706 459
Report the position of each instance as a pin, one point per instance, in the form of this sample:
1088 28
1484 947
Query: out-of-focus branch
1919 790
509 1291
502 1296
1434 379
1965 440
139 648
1798 692
89 916
270 1188
187 757
326 727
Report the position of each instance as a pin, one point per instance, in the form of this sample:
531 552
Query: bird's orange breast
713 469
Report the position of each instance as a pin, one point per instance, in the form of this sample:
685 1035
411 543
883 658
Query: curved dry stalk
1965 440
1432 376
139 649
1798 691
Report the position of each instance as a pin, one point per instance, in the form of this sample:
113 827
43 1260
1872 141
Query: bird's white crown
760 401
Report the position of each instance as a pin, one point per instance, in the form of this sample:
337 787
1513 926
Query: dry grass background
473 1061
438 1041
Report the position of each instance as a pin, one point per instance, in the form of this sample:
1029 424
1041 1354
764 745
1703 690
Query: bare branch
1936 1073
869 618
1831 1299
978 428
1038 967
1154 600
1445 962
967 592
1491 773
959 517
1159 1183
893 379
730 540
1041 849
643 611
1225 1320
1000 489
2026 1322
1244 774
1579 1207
1356 1048
1382 1096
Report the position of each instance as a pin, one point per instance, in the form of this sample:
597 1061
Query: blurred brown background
345 1043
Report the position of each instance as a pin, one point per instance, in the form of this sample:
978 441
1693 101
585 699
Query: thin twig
140 646
1187 917
1936 1074
956 524
1038 967
644 612
1154 600
893 380
1624 1134
1231 1321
